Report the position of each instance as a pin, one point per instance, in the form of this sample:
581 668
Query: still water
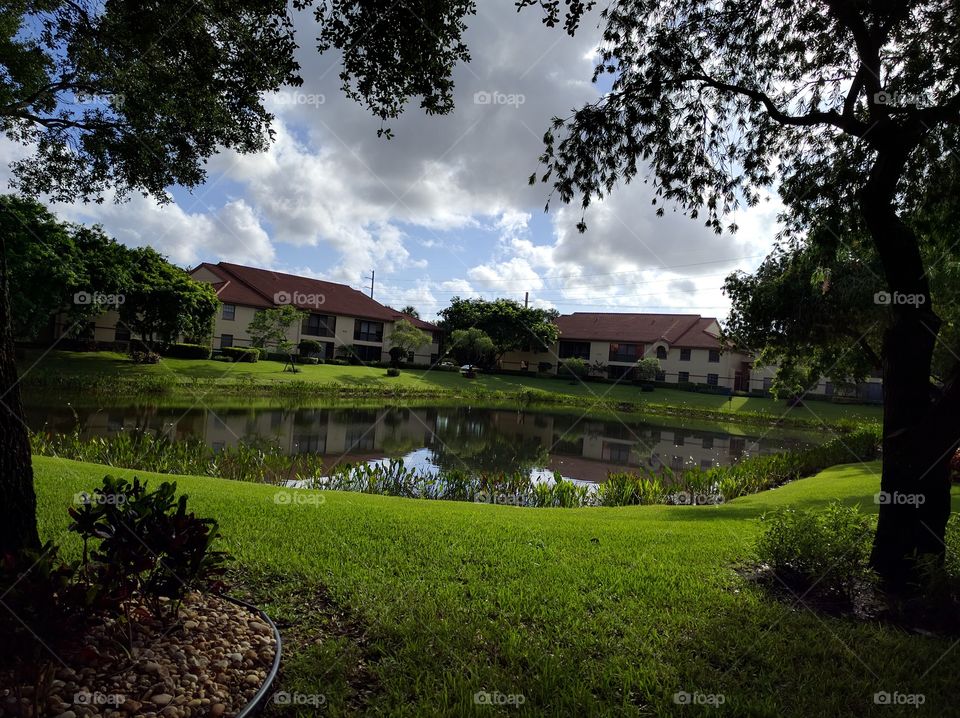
431 438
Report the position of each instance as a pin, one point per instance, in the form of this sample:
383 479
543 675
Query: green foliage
574 367
627 489
144 356
309 360
407 338
143 543
309 347
271 327
249 355
508 324
137 97
826 552
471 346
410 311
189 351
393 371
647 369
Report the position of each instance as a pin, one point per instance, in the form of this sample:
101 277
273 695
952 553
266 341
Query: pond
431 438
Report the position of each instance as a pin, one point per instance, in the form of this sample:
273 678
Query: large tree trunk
915 486
18 502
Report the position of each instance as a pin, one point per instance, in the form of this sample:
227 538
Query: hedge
189 351
250 355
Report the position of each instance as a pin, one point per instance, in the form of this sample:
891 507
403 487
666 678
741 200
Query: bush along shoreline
691 486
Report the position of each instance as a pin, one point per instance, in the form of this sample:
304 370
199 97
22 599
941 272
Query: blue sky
443 208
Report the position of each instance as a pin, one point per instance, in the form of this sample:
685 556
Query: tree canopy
508 324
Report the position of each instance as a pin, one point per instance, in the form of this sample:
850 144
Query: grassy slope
111 364
584 612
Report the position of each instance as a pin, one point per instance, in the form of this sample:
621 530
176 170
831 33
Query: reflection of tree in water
486 441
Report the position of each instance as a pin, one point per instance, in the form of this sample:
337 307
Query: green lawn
259 377
403 607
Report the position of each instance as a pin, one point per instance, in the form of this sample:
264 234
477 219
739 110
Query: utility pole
526 299
373 274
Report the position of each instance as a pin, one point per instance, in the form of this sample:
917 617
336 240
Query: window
319 325
575 350
121 333
685 355
625 352
661 352
437 337
714 356
365 353
683 376
661 375
368 332
229 311
708 442
713 379
226 340
678 438
619 453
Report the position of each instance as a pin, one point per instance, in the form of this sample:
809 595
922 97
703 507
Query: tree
127 96
647 369
271 328
510 325
162 303
406 338
472 346
840 104
410 311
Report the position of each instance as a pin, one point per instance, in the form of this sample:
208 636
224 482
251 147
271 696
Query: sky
444 208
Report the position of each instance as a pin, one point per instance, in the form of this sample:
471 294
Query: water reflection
431 438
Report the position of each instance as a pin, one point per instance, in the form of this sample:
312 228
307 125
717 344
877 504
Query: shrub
309 360
250 355
144 357
393 372
140 542
626 489
189 351
309 347
825 552
340 362
544 366
574 368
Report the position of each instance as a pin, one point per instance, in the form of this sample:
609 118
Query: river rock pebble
210 661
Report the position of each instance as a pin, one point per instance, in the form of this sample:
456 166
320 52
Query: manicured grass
251 378
403 607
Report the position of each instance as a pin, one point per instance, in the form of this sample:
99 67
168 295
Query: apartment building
337 315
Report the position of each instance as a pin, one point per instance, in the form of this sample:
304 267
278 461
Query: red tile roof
252 287
417 322
684 330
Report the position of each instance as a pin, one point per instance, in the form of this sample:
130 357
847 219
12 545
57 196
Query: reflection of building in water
458 438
